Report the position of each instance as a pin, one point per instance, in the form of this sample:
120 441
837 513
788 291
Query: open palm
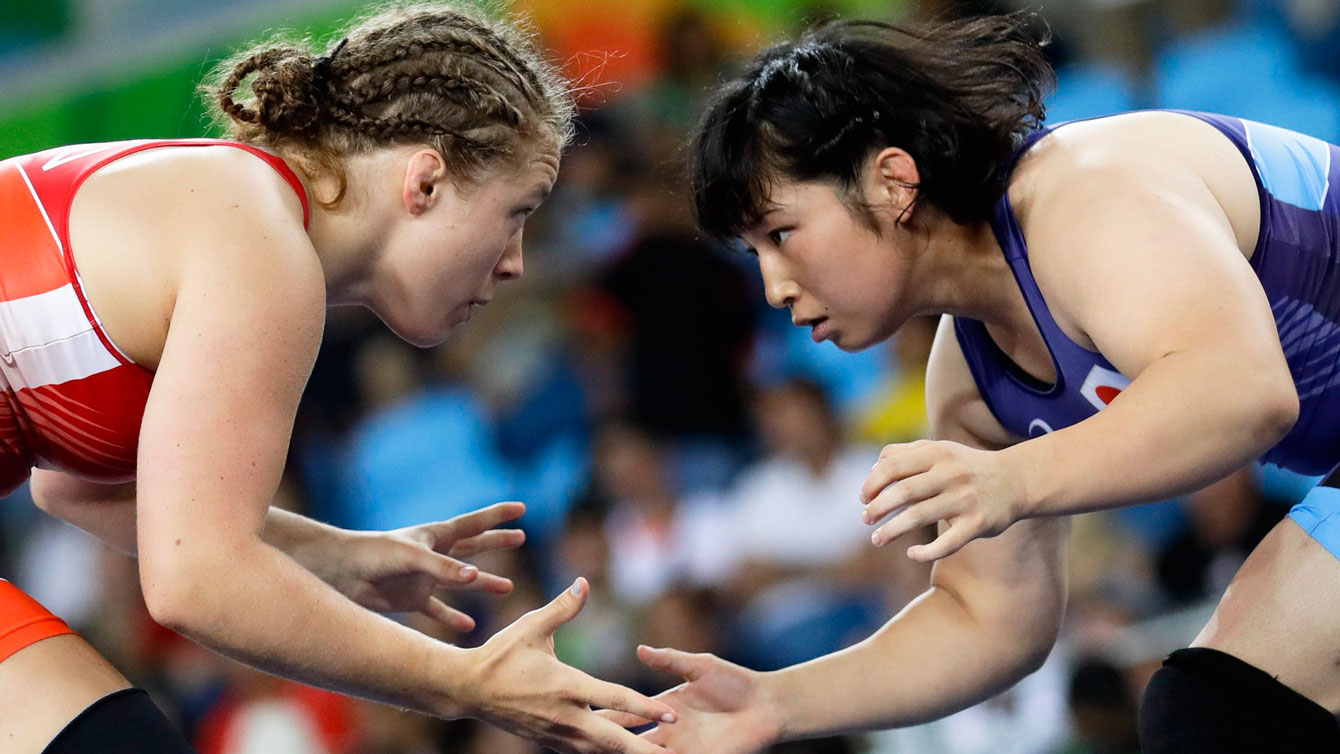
721 707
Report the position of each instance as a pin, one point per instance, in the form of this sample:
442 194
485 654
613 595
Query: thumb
563 608
690 666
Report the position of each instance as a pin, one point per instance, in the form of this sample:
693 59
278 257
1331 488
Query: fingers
613 738
950 541
689 666
914 517
497 539
448 571
447 533
896 462
448 616
492 583
901 494
563 608
612 696
623 719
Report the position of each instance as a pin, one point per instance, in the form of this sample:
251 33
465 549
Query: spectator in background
598 640
1102 709
1225 521
418 438
689 318
805 573
692 56
261 714
685 309
655 539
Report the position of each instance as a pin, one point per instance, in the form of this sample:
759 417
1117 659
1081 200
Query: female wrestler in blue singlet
1137 306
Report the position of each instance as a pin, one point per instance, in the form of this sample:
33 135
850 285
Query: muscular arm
1144 262
989 618
244 332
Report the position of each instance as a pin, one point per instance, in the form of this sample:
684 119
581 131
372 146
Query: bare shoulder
1125 205
1143 141
144 226
178 189
954 405
1146 156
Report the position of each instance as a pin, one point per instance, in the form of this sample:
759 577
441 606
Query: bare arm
990 618
1152 273
107 512
393 571
244 333
1140 260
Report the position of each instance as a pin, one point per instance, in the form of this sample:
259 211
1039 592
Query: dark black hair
958 96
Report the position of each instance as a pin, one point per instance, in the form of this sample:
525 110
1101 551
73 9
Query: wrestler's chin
851 343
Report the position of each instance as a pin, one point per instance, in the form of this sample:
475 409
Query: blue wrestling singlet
1297 260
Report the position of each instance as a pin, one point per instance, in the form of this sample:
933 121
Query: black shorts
123 722
1203 701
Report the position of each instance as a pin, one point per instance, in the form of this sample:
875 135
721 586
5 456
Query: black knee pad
123 722
1203 701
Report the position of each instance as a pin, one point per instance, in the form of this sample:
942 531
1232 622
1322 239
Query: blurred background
677 442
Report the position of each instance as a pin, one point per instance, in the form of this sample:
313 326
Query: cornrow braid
475 88
285 99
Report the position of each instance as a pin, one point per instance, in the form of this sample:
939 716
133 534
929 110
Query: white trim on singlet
47 340
37 200
66 254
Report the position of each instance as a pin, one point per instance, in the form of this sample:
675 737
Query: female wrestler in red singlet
161 305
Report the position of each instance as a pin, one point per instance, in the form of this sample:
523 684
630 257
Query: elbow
1276 410
1022 627
46 496
166 600
1028 643
176 592
1034 651
1285 411
1028 636
193 591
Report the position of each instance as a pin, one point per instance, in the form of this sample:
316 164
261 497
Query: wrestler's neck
348 236
957 269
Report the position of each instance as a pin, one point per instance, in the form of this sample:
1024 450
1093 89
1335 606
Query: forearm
306 540
108 514
932 659
1180 426
258 606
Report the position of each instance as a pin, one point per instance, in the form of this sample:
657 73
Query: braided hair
474 88
959 97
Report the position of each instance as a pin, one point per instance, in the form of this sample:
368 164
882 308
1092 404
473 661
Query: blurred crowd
694 456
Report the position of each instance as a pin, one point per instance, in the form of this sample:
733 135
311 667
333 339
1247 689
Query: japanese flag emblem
1102 385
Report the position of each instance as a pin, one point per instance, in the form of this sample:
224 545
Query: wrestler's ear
893 180
425 176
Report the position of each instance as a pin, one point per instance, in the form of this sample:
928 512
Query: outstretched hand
722 707
517 683
402 570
